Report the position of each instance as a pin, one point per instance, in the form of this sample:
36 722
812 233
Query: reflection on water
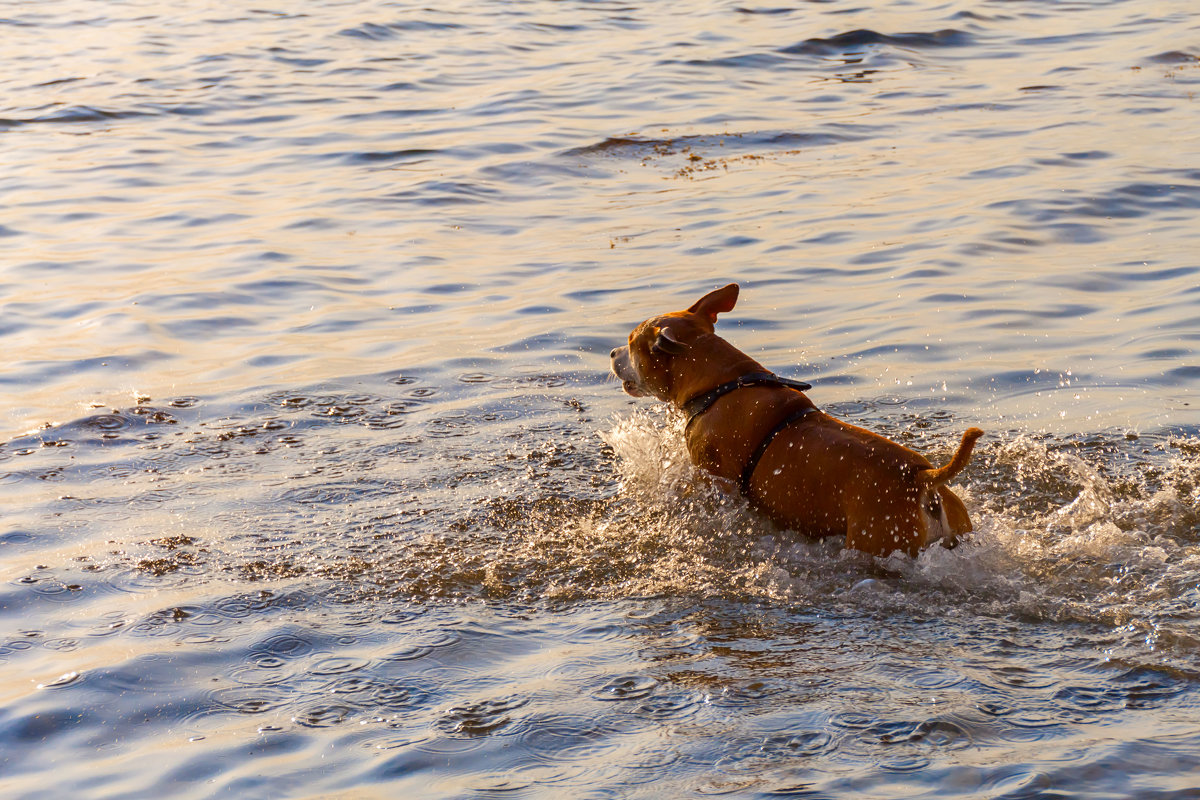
503 599
204 200
314 482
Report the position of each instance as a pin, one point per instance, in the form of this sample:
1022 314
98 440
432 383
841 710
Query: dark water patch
530 174
15 538
482 718
1144 110
446 193
776 750
1129 201
862 38
767 11
409 156
615 145
372 31
180 109
1173 353
632 687
742 62
315 223
1006 315
275 360
887 255
668 706
74 114
699 156
1186 375
262 119
389 114
210 328
193 221
1003 172
18 732
251 295
1140 271
295 61
639 147
1080 159
565 737
825 98
1175 57
117 426
251 700
265 289
549 27
1088 155
341 325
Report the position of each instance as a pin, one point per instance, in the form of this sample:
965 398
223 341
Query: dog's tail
936 477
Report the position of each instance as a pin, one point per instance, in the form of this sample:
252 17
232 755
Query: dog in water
804 469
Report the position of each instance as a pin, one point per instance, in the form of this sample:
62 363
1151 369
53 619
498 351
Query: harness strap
748 470
701 402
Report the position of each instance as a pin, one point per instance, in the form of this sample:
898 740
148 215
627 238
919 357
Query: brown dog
801 467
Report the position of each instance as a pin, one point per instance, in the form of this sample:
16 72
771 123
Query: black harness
696 406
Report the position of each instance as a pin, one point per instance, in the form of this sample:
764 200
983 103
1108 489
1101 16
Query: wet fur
820 476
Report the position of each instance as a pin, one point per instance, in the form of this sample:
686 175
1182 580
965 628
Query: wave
74 114
861 38
372 31
639 146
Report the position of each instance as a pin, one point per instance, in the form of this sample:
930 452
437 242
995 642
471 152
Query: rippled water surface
314 483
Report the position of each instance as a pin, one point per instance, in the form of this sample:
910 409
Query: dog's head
657 348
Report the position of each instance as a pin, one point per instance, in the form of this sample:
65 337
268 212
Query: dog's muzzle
622 367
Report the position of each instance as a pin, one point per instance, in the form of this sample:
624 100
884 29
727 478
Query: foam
1064 530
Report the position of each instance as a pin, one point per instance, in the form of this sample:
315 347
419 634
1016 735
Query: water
314 482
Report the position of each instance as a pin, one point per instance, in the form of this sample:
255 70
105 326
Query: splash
1092 530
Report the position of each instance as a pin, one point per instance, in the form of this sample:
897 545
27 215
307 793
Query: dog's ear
665 343
716 302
